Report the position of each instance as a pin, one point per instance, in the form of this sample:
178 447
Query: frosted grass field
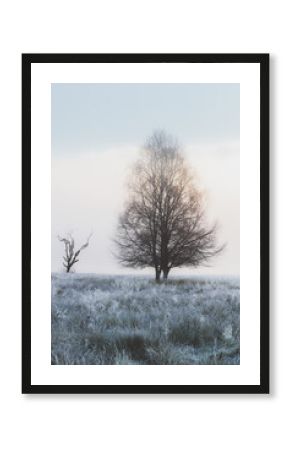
133 320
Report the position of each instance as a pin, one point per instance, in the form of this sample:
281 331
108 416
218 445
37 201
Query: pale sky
97 133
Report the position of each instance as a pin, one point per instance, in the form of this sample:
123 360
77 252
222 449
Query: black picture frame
263 61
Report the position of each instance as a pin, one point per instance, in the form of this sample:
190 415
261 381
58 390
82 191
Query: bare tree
163 225
71 256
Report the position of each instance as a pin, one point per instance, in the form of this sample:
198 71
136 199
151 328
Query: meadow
132 320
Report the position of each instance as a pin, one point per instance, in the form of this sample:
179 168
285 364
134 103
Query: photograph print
145 224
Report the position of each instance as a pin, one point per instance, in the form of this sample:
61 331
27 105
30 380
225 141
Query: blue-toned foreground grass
133 320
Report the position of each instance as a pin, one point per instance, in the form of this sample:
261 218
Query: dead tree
163 225
71 256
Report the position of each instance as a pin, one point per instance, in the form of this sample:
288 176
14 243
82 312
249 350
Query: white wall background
225 422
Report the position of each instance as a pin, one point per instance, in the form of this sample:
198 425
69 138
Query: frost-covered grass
133 320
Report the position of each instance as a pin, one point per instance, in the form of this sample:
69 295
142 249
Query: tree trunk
157 275
165 274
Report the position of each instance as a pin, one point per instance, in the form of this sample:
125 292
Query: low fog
89 190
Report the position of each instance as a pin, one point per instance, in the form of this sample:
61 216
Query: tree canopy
163 224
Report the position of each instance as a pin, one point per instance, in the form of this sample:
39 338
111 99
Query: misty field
133 320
